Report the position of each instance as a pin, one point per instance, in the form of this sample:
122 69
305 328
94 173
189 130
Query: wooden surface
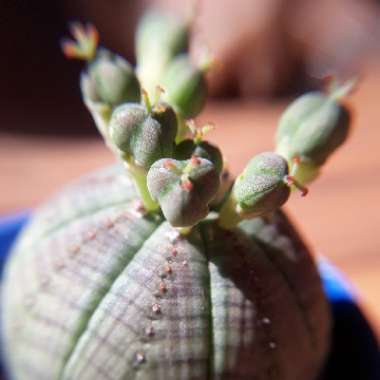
340 217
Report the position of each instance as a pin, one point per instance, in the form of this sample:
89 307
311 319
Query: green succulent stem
139 174
229 217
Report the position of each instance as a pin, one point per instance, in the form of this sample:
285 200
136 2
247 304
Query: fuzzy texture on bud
204 149
185 86
110 79
312 128
261 189
141 135
183 189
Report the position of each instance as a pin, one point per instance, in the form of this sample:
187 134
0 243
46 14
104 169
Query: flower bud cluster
143 113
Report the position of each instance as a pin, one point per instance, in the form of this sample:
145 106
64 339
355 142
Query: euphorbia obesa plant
160 267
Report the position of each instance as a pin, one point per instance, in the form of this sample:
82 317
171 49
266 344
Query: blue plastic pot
355 351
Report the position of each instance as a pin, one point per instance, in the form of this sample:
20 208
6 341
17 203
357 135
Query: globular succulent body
96 290
159 268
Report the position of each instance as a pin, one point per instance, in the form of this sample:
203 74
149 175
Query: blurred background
268 52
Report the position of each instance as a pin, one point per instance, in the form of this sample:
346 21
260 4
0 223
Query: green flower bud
263 187
111 80
312 128
183 189
143 136
203 149
185 86
159 39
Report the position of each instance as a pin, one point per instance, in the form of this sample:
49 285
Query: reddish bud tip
195 161
169 165
290 181
296 160
187 185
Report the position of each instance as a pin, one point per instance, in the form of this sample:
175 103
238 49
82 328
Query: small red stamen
187 185
169 165
296 160
195 161
290 180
